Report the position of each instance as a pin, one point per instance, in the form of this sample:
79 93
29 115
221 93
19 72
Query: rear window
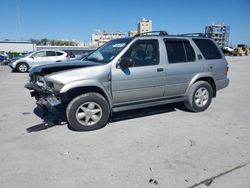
59 53
179 51
208 49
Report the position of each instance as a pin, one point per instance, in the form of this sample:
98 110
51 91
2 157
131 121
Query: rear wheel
199 96
22 67
87 112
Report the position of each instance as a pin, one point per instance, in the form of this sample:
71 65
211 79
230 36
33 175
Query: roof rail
194 34
161 33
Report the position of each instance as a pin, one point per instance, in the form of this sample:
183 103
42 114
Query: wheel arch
71 93
206 78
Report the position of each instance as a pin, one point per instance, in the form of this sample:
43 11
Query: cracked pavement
155 147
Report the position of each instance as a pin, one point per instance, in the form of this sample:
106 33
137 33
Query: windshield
109 51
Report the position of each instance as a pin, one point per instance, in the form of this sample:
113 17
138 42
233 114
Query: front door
144 79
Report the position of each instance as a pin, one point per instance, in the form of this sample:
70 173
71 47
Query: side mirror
32 57
125 62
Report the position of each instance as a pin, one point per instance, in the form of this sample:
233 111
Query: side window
208 49
50 53
179 51
39 54
59 53
144 53
189 51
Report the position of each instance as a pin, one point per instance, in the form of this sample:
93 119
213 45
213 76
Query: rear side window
59 53
208 49
179 51
50 53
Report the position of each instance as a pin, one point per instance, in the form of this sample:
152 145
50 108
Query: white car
40 57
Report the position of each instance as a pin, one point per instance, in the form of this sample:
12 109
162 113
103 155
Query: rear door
182 65
145 79
50 57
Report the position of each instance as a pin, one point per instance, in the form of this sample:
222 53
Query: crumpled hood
61 66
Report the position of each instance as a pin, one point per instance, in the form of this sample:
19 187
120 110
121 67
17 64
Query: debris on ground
65 153
153 181
192 143
26 113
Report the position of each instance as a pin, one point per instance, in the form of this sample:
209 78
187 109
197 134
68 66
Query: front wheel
87 112
22 67
199 96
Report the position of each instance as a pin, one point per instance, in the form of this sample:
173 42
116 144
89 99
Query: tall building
102 37
219 32
144 26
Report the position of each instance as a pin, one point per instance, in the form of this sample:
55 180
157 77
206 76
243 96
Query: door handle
160 69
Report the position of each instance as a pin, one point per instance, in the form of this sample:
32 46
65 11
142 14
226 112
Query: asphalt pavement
163 146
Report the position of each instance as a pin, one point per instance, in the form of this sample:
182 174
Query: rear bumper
220 84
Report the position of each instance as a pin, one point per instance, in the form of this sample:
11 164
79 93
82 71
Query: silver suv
132 73
40 57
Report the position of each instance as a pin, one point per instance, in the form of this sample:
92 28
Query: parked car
40 57
3 58
132 73
228 50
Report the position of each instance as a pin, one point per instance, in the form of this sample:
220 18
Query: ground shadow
57 117
50 119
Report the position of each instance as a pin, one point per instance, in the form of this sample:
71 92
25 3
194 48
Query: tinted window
208 49
179 51
144 53
189 51
39 54
59 53
50 53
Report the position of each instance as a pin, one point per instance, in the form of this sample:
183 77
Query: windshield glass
109 51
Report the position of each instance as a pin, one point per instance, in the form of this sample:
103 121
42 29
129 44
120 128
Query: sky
78 19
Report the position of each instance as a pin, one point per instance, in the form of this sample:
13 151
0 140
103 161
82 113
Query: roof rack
161 33
194 34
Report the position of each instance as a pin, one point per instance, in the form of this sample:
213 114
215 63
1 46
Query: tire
22 67
88 112
199 96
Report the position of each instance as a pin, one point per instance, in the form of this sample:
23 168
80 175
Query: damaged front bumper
44 97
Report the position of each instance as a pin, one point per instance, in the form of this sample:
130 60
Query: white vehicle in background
40 57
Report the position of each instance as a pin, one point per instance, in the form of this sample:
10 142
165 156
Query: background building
219 32
17 46
144 26
132 33
102 37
